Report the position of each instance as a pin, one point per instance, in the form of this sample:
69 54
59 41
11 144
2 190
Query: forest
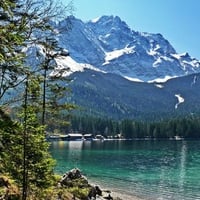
186 127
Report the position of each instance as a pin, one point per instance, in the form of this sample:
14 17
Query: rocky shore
71 186
88 191
75 179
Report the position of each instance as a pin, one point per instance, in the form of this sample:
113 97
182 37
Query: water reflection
152 169
59 145
87 145
75 145
183 158
75 153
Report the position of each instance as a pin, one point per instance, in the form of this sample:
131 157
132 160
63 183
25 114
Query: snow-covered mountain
108 44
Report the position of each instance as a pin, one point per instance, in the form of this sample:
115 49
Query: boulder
74 178
109 197
93 192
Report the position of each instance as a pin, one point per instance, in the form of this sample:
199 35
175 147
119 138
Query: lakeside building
75 136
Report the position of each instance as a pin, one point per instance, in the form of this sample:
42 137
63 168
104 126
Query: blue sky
177 20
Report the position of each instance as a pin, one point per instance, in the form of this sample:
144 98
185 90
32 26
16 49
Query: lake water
147 169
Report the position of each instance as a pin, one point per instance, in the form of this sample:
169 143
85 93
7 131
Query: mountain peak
110 45
106 18
109 21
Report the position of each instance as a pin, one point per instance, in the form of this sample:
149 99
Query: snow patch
152 52
177 56
95 20
160 60
117 53
192 63
159 85
194 80
162 80
157 47
107 35
167 58
67 66
157 62
133 79
180 55
180 100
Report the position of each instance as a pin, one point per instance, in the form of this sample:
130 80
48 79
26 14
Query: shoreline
93 188
124 196
115 192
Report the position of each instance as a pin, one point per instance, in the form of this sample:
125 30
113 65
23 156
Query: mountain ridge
112 96
109 44
113 71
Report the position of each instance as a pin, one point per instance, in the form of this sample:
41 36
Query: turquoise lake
159 170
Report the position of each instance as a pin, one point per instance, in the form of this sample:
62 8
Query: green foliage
55 110
11 43
7 5
187 127
24 154
38 160
11 145
81 193
8 188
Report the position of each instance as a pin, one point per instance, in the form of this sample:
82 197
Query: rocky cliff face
110 45
105 52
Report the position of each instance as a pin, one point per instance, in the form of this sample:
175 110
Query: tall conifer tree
24 152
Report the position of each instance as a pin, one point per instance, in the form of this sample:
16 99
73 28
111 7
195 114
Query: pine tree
11 42
37 162
24 152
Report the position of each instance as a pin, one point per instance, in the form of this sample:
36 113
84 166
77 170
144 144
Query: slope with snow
180 100
109 44
123 73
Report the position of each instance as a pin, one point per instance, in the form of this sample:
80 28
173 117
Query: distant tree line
187 127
